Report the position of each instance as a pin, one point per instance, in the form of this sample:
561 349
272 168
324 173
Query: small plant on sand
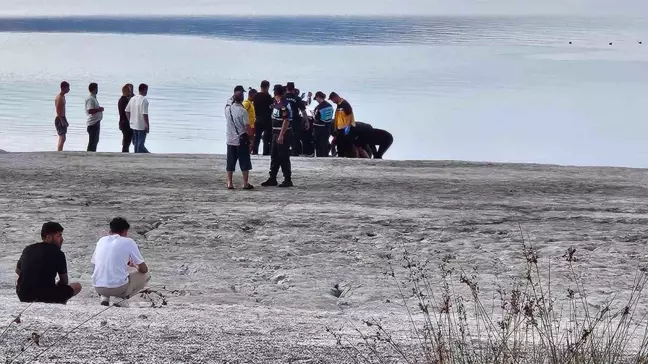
529 323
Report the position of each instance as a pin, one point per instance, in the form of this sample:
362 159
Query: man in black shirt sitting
38 267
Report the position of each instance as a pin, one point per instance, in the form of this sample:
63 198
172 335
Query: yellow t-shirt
249 106
344 115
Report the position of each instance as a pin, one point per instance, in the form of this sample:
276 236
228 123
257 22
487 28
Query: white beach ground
248 275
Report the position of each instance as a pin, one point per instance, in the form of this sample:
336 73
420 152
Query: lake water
488 88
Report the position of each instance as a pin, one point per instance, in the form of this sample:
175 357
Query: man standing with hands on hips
282 135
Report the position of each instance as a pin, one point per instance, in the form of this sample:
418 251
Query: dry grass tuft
528 323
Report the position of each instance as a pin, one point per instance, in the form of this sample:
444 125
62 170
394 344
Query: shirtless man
61 122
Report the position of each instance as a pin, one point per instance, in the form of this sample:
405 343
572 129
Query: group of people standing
283 123
133 117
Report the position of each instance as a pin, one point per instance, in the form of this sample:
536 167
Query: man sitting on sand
119 268
38 267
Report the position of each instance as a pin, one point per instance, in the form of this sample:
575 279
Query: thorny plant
531 323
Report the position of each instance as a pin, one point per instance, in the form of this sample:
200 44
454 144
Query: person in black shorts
38 267
60 122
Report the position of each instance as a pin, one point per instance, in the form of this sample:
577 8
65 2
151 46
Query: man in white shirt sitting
119 268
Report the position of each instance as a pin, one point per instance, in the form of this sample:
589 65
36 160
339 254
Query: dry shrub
530 323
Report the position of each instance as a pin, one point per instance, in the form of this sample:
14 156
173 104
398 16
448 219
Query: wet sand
248 275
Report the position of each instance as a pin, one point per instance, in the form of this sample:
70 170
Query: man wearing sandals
119 268
239 134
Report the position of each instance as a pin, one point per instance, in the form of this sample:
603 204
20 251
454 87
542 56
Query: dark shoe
105 303
230 187
271 182
286 183
248 187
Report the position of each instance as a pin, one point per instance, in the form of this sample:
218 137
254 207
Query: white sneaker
123 303
105 300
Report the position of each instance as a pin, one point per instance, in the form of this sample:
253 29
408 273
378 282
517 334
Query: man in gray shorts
60 122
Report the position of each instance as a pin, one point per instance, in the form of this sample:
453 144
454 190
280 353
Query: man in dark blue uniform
282 136
299 123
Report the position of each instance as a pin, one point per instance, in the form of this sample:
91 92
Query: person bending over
119 268
38 267
383 139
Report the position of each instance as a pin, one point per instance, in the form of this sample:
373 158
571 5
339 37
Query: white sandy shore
253 271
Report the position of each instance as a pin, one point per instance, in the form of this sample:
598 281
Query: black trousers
322 135
297 128
127 138
262 133
308 141
344 144
280 156
93 136
385 143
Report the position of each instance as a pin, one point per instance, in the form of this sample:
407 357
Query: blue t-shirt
324 113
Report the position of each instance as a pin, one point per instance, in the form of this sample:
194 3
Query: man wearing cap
38 267
263 108
323 115
299 124
343 126
282 135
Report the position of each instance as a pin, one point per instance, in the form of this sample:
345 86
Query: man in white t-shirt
119 268
137 113
94 112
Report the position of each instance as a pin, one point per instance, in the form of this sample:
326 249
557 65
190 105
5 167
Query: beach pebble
103 323
278 277
144 317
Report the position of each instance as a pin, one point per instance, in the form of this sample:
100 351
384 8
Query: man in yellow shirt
343 126
249 106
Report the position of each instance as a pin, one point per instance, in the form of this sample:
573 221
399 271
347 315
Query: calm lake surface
486 88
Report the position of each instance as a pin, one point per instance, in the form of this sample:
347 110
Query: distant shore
248 275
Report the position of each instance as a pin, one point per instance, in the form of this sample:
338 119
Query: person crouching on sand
38 267
60 122
239 138
119 268
124 123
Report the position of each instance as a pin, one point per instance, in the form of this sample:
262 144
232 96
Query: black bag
244 139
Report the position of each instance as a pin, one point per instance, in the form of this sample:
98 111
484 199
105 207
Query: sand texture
249 276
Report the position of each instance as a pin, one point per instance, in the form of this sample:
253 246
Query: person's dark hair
93 87
142 87
119 225
290 86
50 227
252 92
279 90
320 95
238 97
333 95
64 84
265 84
